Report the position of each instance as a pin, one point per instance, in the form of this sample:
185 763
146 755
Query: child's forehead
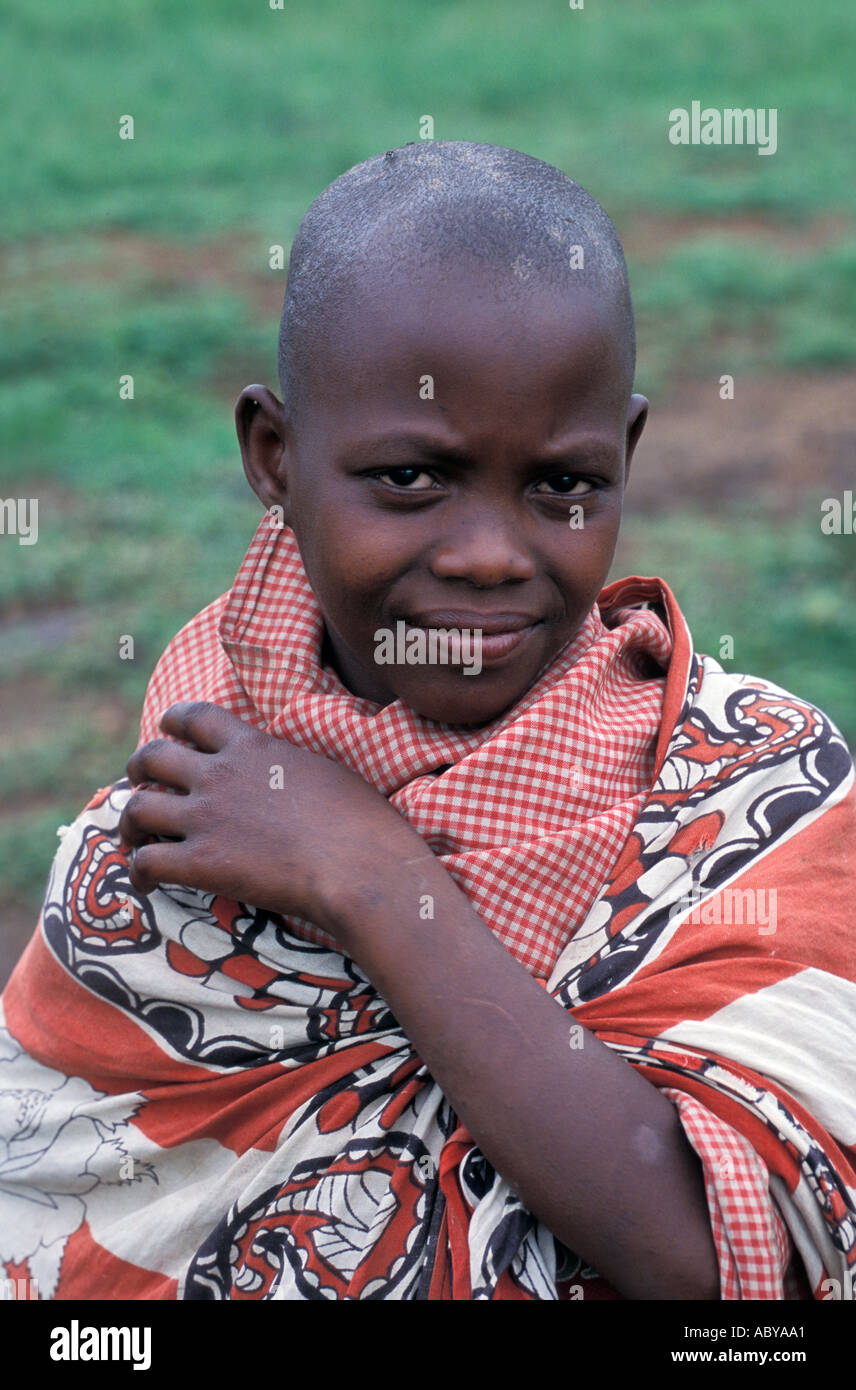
466 311
463 376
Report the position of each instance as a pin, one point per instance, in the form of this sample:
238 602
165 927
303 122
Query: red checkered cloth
599 714
755 1252
530 839
257 650
220 1055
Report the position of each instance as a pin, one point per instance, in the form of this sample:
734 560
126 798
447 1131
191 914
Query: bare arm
586 1143
589 1146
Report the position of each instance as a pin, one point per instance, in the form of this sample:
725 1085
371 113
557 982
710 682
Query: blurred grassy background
150 257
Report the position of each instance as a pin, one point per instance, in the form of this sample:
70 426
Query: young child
546 989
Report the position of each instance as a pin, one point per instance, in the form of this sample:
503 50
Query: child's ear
262 433
637 414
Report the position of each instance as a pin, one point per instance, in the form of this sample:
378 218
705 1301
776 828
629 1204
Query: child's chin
468 700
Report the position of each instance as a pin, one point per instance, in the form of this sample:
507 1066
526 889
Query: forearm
587 1144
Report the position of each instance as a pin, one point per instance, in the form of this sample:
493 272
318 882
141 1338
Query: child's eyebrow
393 446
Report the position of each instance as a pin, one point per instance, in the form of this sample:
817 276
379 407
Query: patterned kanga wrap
199 1099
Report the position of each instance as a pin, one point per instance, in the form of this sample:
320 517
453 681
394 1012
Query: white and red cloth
199 1099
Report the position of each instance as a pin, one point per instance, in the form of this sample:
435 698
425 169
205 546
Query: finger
208 726
149 813
170 764
158 863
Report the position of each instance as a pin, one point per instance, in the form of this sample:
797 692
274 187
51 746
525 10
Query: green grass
242 115
242 112
763 311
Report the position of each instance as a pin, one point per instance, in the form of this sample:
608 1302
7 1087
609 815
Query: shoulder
189 668
743 691
742 724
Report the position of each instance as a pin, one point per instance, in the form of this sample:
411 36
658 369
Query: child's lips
499 644
489 624
499 633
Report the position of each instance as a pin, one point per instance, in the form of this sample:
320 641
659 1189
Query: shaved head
416 210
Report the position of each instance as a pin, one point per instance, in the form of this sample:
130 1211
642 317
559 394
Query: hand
256 819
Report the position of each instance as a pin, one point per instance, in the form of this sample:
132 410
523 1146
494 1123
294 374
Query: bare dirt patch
226 261
649 237
229 260
780 434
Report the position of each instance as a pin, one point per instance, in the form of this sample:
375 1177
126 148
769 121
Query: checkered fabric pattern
754 1249
528 814
532 847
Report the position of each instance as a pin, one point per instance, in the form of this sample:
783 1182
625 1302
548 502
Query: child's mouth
496 645
493 636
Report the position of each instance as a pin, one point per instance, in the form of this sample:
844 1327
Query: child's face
454 511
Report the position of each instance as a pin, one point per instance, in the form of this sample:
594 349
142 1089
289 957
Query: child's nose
485 553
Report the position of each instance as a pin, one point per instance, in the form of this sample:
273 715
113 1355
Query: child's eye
567 484
405 477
